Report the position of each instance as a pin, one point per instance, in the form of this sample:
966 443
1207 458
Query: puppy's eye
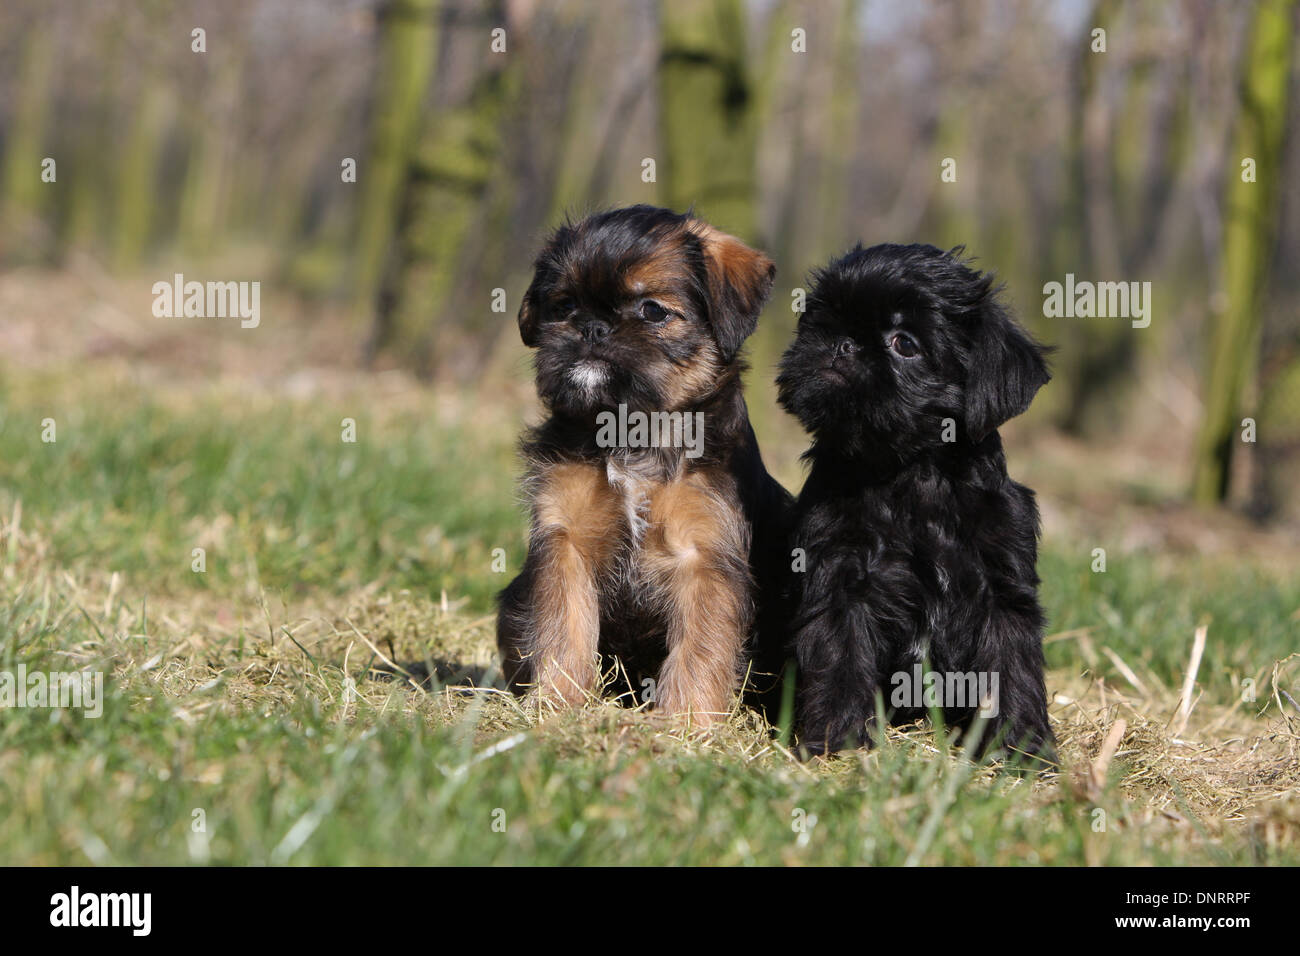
904 345
652 311
563 308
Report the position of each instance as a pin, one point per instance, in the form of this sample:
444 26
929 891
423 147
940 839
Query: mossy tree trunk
784 78
441 205
137 173
407 50
841 133
90 187
1096 353
706 114
205 195
23 196
1250 222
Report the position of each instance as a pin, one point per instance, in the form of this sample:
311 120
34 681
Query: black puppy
920 579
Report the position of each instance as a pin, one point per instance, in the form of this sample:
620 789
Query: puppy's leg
837 651
697 559
514 616
1011 648
575 523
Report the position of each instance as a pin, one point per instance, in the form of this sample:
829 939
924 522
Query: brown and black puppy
655 527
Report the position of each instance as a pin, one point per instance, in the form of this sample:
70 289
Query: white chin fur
588 375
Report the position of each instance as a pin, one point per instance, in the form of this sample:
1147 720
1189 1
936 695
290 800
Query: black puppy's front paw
1020 742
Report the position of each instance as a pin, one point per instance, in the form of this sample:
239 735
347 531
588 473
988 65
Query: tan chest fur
633 511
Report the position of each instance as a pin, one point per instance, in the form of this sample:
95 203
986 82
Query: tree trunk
406 56
205 196
23 199
706 114
137 173
1249 228
840 135
441 206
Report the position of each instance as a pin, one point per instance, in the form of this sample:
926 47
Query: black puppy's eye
904 345
652 311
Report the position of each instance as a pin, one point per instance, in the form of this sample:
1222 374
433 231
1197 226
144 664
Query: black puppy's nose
595 330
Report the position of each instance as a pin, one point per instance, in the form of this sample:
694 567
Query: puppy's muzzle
595 331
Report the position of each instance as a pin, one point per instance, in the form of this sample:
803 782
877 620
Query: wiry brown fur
696 536
572 514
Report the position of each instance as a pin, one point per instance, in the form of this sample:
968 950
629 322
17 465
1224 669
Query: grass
1145 608
257 697
268 488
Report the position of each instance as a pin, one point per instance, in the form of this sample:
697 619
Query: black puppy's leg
839 667
1011 653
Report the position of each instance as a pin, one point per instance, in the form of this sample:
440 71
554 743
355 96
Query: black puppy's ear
1006 369
528 317
739 282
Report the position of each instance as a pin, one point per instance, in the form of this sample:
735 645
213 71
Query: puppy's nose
596 330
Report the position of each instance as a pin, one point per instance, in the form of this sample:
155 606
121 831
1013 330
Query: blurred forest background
801 125
251 532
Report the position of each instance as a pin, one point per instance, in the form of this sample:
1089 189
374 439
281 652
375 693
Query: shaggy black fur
919 548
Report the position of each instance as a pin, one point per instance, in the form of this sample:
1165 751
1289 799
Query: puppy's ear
1006 369
739 282
528 317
